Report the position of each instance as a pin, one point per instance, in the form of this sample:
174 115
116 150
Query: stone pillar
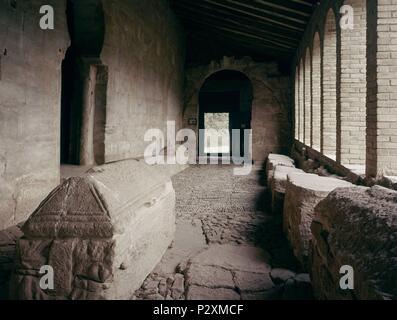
296 126
89 73
308 98
302 101
329 118
381 88
316 92
353 87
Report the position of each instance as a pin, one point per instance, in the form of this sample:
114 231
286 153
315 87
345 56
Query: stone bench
303 193
279 183
273 161
102 234
356 227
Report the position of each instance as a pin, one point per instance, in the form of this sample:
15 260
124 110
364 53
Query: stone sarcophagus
355 227
303 192
101 234
273 161
279 184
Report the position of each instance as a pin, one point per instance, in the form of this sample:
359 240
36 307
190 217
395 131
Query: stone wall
271 105
144 50
30 89
143 54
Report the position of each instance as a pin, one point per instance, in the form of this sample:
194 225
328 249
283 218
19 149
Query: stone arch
308 98
270 101
316 92
329 86
353 88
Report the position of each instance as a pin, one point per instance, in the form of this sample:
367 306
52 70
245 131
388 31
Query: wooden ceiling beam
243 48
240 34
252 13
232 37
222 12
185 10
269 12
250 32
283 8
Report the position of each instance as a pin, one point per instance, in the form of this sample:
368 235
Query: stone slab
109 228
278 186
303 193
273 161
361 228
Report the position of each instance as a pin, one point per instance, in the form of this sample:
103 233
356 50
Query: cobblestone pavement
227 245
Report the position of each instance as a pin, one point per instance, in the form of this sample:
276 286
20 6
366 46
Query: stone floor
227 245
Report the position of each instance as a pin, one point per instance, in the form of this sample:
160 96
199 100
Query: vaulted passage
198 149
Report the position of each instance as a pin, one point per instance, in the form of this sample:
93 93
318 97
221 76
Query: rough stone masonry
356 227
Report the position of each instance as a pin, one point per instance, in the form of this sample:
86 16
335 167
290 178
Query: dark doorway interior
225 92
70 113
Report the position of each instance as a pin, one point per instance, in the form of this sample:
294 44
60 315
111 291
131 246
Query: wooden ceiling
263 29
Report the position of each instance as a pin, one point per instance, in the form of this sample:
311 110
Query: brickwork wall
302 100
353 87
382 88
308 98
296 112
316 92
329 86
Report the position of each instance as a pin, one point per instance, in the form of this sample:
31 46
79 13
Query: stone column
87 113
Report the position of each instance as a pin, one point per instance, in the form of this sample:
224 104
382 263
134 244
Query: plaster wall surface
30 89
144 50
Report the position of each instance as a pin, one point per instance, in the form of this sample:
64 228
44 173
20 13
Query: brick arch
308 98
316 91
329 86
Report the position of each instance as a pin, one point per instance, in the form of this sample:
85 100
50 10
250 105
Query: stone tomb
356 227
102 234
278 185
274 160
303 192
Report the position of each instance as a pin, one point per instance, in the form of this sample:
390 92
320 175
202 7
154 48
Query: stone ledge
279 184
273 161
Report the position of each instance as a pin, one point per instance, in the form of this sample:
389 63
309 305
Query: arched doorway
225 104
